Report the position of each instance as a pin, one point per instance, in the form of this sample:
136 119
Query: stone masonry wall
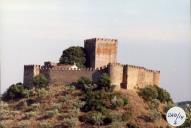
106 52
100 52
132 77
116 74
30 71
139 77
58 75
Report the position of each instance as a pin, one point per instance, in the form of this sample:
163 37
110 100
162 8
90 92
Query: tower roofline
105 39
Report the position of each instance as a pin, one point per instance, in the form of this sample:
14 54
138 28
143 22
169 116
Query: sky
150 33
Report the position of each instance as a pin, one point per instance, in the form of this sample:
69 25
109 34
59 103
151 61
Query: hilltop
69 106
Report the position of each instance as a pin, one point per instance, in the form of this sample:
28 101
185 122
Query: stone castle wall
131 77
59 75
123 76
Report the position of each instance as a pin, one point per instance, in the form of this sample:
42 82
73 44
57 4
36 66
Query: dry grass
60 98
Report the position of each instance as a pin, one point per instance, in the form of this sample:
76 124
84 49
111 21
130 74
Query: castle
101 58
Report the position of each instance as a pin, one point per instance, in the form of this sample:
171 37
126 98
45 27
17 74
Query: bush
114 116
168 106
154 104
154 115
28 115
105 83
15 91
163 95
126 116
41 92
69 123
148 93
44 125
40 81
117 102
154 92
4 105
51 113
2 126
125 101
95 118
93 101
23 125
34 107
84 83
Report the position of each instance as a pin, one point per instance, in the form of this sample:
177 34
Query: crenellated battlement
140 67
116 64
31 67
57 68
100 39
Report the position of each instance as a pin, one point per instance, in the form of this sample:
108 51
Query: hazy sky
151 33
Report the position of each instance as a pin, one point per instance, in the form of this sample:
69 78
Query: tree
163 95
40 81
74 54
148 93
105 83
15 91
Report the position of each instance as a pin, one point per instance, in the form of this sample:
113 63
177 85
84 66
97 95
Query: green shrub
28 115
114 116
154 104
51 113
125 101
23 125
105 83
148 93
163 95
4 105
168 106
84 84
154 115
57 106
79 104
154 92
2 126
93 104
41 92
15 113
117 102
15 91
34 107
95 118
40 81
44 125
126 116
93 101
69 122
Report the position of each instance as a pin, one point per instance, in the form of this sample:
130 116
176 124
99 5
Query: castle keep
101 58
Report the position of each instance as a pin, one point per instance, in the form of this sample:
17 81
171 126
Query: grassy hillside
60 106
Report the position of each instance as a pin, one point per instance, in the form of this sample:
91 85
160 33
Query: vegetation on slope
84 104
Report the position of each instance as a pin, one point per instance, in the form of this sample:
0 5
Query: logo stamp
176 116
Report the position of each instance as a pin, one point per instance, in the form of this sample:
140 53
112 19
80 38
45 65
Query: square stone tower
100 51
30 71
